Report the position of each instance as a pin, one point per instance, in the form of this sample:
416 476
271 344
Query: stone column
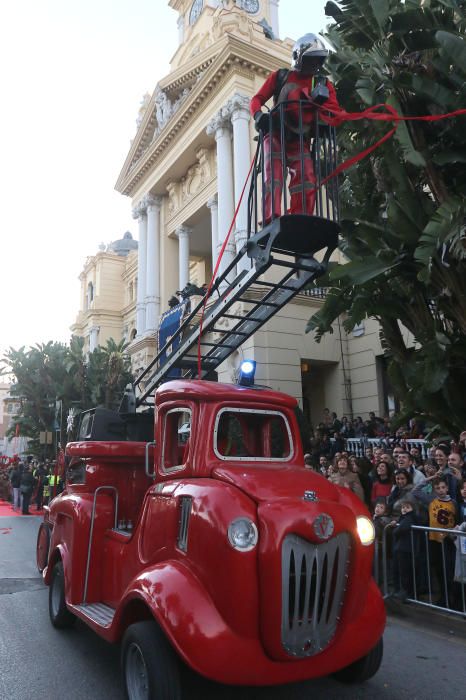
183 233
212 204
273 4
152 298
238 106
139 213
93 338
220 127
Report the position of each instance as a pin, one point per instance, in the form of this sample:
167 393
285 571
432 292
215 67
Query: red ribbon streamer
340 116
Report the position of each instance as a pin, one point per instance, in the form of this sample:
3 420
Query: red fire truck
190 530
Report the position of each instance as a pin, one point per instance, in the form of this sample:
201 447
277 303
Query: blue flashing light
247 371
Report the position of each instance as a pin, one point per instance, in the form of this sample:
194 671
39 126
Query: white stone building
184 174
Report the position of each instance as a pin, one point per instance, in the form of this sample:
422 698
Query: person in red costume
304 89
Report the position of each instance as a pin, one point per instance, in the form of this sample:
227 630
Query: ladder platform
296 234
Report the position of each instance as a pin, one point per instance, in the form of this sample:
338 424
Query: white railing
359 445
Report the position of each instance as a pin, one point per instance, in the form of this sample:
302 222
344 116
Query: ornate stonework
197 177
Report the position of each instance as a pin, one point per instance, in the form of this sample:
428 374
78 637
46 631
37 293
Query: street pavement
38 662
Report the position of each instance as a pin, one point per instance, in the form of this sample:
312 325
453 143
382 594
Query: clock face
196 9
251 6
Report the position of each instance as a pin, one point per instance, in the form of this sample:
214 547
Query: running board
99 613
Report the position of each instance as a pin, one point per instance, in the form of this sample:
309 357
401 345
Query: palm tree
403 209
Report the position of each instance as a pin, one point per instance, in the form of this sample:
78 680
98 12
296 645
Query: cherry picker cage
276 262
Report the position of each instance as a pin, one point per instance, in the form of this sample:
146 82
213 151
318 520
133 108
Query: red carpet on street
6 509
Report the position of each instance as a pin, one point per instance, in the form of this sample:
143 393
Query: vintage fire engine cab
236 551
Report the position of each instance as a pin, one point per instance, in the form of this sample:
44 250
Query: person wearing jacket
302 85
26 488
403 486
348 479
15 481
405 549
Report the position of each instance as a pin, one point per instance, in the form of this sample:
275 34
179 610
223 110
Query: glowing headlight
242 534
366 530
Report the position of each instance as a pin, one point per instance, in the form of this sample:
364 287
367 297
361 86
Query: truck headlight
365 530
242 534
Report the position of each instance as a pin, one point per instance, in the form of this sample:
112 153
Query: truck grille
313 585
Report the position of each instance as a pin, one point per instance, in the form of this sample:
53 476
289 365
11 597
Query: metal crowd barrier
358 446
433 582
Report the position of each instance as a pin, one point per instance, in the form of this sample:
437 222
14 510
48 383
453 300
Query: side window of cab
176 439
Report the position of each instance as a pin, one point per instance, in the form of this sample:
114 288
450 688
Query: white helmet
308 52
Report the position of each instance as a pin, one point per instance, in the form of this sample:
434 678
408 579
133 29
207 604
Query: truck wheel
149 664
43 546
60 616
364 668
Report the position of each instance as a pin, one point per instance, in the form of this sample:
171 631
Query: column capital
218 125
237 107
138 211
152 201
212 202
183 231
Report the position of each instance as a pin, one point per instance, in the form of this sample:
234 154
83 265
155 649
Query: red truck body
295 602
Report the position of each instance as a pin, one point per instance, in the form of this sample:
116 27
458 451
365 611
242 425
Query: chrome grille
313 585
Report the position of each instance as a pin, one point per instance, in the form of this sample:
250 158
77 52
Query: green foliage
53 372
404 208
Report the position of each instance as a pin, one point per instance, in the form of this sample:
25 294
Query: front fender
185 612
60 551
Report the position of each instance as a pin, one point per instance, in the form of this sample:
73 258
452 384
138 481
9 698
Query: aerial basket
293 204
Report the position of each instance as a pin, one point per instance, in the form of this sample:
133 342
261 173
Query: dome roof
124 245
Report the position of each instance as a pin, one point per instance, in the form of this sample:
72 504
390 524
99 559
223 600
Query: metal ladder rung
261 303
227 332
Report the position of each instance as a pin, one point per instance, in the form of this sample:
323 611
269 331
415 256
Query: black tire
60 616
364 668
149 665
42 546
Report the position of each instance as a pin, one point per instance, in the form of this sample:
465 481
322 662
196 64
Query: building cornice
233 56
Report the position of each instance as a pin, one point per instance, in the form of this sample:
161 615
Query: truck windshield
248 434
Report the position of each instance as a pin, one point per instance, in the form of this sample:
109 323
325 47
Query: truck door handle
150 474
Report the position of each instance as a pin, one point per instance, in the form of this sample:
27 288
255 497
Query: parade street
40 662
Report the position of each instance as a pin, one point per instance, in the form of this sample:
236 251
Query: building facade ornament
237 106
219 123
152 200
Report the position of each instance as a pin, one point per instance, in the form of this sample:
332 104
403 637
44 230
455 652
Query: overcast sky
73 75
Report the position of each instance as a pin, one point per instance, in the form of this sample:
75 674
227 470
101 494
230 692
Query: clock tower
195 16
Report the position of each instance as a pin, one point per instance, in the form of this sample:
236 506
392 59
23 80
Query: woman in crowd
383 484
345 477
403 486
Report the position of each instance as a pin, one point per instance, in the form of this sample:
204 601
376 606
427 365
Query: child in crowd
380 518
443 514
405 546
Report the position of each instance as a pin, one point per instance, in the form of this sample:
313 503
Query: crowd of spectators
29 482
402 488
